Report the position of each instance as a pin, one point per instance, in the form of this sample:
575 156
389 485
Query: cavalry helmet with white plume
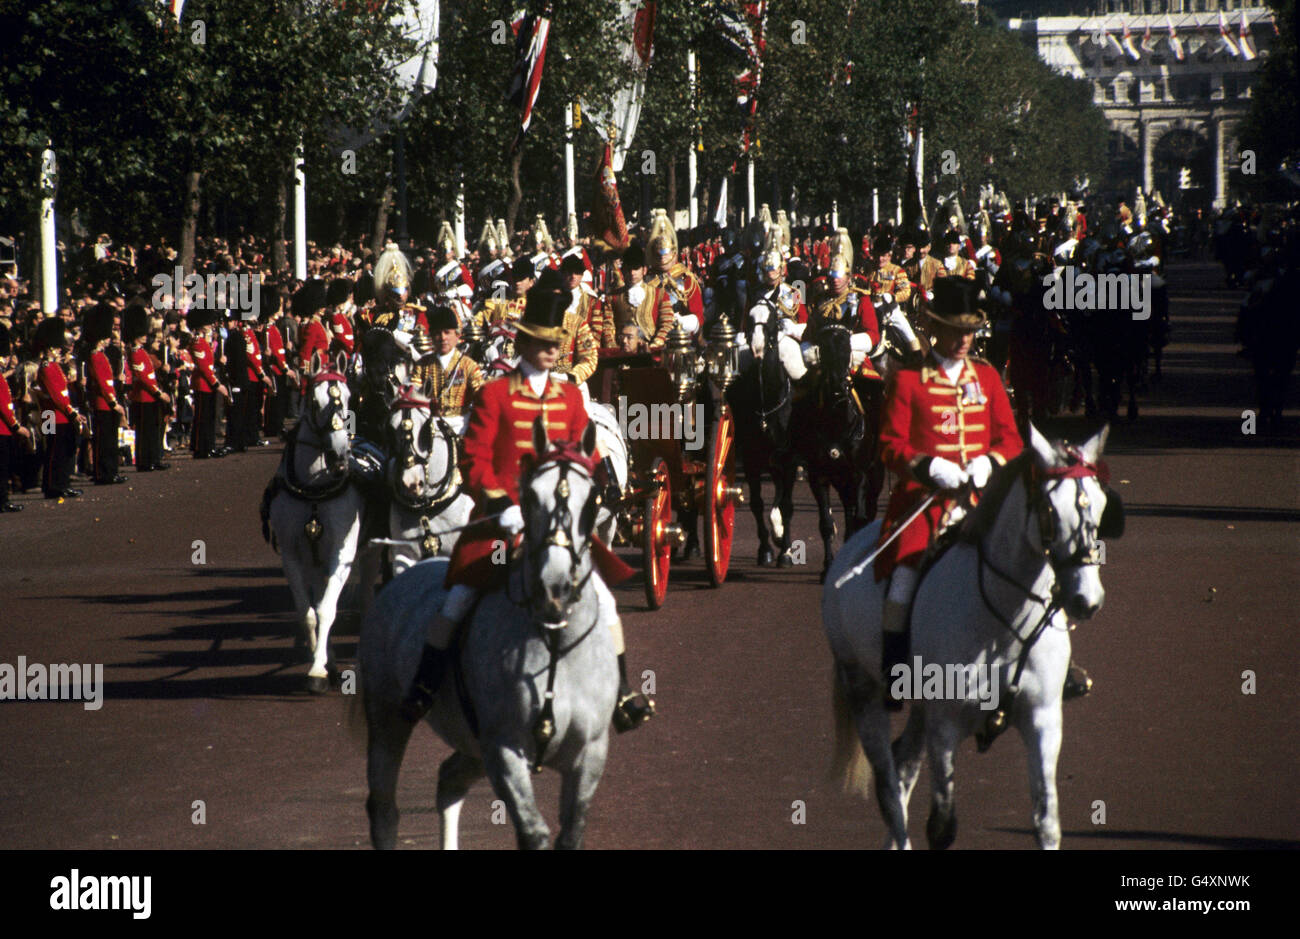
541 237
393 272
447 247
503 239
488 245
663 240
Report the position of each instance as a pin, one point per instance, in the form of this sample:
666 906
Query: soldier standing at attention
146 395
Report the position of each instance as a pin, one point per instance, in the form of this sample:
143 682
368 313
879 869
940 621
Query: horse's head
559 502
326 413
1074 507
835 357
423 454
387 364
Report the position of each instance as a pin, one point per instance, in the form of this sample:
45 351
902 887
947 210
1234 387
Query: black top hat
572 264
883 244
956 303
634 257
544 310
97 325
50 334
135 323
952 238
440 317
522 269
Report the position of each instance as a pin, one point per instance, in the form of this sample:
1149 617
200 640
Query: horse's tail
849 767
268 496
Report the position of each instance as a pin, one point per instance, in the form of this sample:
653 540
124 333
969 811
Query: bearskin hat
97 325
135 323
338 292
50 334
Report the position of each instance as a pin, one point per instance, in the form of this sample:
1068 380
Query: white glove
690 323
861 342
979 470
811 354
946 474
512 520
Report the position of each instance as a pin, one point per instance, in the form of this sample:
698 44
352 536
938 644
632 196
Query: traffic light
1185 178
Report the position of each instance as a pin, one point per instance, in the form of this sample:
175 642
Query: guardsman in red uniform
313 339
945 424
52 397
106 410
277 368
672 277
844 303
203 438
257 382
498 437
637 302
11 430
338 297
145 393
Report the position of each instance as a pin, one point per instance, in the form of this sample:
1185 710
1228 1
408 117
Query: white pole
835 214
570 201
49 240
460 218
875 205
898 210
299 215
690 150
749 169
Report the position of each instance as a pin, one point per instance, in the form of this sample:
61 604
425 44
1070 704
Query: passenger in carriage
456 377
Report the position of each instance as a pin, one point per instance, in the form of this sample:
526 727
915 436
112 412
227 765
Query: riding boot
1077 683
895 649
633 708
428 678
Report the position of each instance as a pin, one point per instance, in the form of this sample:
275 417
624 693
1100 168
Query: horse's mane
982 517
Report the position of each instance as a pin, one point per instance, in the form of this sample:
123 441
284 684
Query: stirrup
991 729
633 710
1077 683
417 703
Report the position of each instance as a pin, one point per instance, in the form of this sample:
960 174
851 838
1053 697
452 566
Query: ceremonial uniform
852 309
146 414
102 395
494 312
645 306
203 440
927 414
683 291
931 268
254 390
277 367
579 351
9 438
315 340
890 278
342 339
456 379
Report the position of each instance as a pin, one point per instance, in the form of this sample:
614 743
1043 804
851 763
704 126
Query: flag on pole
609 229
1243 39
1128 44
637 22
1148 44
744 33
1175 44
1225 38
720 216
531 32
1108 37
175 7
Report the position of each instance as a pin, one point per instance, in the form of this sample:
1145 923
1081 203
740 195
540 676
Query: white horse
428 507
989 619
315 511
609 438
535 665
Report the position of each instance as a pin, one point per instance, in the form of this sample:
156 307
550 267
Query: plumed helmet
447 242
503 238
97 324
50 334
782 229
541 237
392 271
841 252
135 323
770 259
663 239
488 244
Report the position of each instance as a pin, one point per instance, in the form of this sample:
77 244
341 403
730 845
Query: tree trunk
516 190
279 259
190 219
381 217
672 192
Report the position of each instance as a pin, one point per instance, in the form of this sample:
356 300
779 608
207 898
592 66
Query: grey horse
535 674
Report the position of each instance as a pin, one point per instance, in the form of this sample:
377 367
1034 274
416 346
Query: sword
866 562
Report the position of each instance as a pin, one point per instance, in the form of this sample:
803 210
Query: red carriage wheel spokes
720 496
655 538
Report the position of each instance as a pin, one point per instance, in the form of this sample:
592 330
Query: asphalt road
204 698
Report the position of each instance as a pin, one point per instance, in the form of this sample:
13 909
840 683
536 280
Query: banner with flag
1243 39
637 22
1225 38
1175 44
743 31
1128 44
1147 44
608 227
175 7
531 32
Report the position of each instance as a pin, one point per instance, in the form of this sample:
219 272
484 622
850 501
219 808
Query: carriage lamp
679 359
473 332
723 353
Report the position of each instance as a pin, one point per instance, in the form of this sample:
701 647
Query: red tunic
341 327
52 392
207 378
275 358
926 415
254 350
314 339
498 436
144 383
8 418
101 388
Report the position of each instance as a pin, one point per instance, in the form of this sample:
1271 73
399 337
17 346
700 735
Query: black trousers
203 435
254 392
8 463
236 417
276 405
148 434
60 454
104 446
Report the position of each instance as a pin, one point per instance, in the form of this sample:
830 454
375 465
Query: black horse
835 437
761 404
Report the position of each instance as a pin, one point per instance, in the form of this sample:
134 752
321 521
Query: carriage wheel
656 550
721 497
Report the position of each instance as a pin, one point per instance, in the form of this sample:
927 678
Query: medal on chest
972 393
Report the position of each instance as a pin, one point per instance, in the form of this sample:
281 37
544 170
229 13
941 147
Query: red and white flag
1129 47
745 34
1243 39
637 21
1225 38
1148 44
531 32
608 226
1175 44
1107 37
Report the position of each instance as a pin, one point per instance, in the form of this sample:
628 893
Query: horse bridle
331 421
770 330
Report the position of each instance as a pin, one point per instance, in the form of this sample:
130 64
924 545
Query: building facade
1174 79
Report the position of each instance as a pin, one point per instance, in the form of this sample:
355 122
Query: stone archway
1124 160
1182 147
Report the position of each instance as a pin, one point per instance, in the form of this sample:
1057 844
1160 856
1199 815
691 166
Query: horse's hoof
941 831
787 560
766 557
318 684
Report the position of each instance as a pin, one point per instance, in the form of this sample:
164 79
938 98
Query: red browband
566 451
328 376
1079 468
408 398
